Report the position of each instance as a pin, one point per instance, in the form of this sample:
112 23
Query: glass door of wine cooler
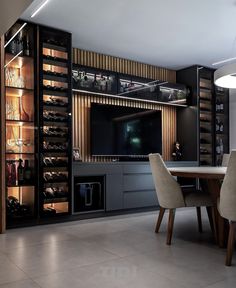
20 121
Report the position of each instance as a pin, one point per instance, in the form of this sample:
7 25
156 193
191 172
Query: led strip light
17 32
13 58
39 8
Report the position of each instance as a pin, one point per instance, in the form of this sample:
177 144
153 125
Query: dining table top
207 172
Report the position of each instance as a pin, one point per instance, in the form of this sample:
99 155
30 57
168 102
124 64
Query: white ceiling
168 33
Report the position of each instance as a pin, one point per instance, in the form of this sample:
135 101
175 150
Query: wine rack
221 124
55 122
206 120
208 113
21 184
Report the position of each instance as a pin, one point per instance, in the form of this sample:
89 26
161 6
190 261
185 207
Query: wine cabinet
221 123
54 122
21 140
208 114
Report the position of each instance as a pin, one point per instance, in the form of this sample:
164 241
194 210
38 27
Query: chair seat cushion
197 199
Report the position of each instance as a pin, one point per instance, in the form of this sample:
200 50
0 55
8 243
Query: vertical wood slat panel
82 102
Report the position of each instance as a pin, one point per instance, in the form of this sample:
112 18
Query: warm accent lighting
226 76
39 8
13 58
17 32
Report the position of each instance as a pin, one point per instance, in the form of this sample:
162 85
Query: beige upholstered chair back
225 160
228 190
168 191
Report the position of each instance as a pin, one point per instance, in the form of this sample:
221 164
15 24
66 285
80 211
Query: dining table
210 180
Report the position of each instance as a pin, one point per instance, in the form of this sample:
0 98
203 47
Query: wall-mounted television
124 131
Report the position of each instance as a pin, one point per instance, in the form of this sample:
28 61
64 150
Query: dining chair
225 160
171 196
227 204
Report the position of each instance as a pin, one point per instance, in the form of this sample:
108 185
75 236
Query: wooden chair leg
199 219
159 220
221 231
210 218
212 221
231 241
170 226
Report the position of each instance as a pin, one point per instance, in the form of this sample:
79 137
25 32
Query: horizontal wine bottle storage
38 122
55 122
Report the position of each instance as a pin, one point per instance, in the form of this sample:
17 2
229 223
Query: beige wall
10 11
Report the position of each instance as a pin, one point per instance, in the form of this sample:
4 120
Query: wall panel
82 101
81 122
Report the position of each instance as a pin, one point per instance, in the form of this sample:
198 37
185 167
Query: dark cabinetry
54 121
94 80
38 122
221 123
89 194
208 114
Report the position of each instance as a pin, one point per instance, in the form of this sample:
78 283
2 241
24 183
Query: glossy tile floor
121 251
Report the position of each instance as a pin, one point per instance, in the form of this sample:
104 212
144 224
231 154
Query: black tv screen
124 131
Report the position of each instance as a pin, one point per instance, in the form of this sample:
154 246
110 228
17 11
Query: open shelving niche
113 84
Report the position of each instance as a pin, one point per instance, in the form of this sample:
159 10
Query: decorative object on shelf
14 77
76 154
177 152
92 79
100 81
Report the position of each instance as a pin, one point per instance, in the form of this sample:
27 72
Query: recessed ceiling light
39 8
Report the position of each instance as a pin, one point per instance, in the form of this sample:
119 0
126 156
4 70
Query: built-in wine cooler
55 122
38 122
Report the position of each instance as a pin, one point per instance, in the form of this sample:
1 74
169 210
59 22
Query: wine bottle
217 105
221 127
95 82
218 146
20 172
109 83
27 172
13 47
217 125
27 46
221 107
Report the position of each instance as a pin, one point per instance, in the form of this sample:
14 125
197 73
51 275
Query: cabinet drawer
140 199
136 169
138 182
